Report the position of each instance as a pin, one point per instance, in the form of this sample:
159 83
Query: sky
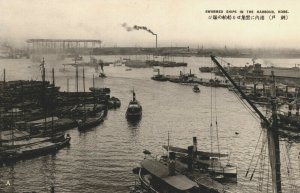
177 22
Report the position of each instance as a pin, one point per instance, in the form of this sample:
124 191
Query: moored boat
196 89
102 75
100 90
33 149
158 76
171 175
210 161
90 122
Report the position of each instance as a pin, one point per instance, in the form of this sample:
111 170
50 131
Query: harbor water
102 159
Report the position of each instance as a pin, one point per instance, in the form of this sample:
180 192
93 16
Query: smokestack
156 41
4 76
195 144
171 163
290 110
190 157
67 85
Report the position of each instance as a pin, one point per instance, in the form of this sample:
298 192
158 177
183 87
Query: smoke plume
135 27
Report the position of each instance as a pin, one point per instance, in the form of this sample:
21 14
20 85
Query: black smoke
135 27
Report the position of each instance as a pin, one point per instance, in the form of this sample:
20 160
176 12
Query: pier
61 45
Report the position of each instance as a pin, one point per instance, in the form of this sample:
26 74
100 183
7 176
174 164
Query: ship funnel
190 158
172 163
195 144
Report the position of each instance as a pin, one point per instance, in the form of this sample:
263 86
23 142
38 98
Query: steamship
170 175
134 110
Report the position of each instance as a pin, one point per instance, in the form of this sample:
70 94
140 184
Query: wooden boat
134 110
206 69
33 150
100 90
196 89
113 102
90 122
102 75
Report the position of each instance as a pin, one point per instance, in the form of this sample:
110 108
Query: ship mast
272 130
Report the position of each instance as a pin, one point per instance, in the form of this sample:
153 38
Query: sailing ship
27 148
154 176
270 124
134 110
89 121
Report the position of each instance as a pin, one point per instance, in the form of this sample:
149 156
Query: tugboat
134 110
159 77
196 89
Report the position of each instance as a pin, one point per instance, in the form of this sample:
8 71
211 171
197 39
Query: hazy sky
177 22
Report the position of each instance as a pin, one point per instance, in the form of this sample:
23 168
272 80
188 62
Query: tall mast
67 84
76 78
273 142
93 81
4 78
53 106
44 92
272 131
83 78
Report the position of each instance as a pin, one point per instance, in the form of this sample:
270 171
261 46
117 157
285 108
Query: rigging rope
211 117
217 129
289 168
253 153
262 168
264 140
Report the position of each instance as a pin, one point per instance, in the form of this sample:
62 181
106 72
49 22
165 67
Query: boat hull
133 117
92 122
33 151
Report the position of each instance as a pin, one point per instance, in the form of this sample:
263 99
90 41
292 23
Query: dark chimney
290 110
190 158
195 144
172 163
